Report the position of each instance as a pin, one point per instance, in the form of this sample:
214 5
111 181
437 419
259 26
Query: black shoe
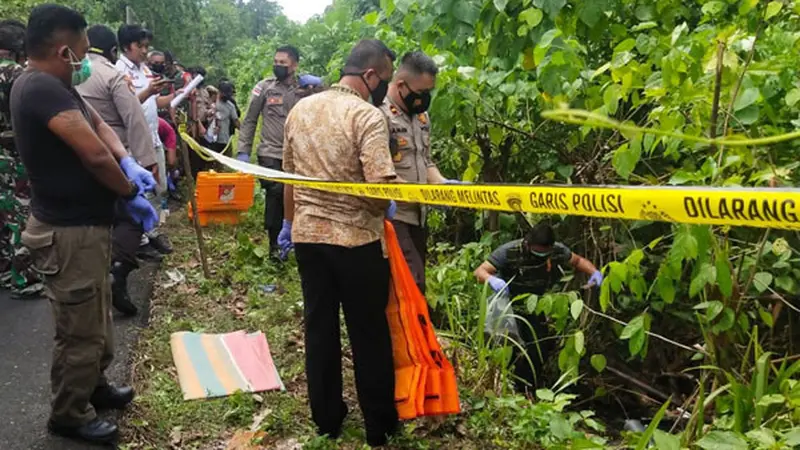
97 431
112 397
162 244
148 253
120 298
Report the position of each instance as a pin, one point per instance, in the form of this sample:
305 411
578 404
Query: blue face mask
81 69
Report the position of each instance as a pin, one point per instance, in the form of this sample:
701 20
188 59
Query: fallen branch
639 383
697 349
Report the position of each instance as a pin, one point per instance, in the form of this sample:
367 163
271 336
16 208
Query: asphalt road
26 340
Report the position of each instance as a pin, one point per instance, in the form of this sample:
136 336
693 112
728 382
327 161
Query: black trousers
125 238
539 347
358 279
273 205
413 241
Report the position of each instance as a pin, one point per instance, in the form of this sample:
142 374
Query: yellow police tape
754 207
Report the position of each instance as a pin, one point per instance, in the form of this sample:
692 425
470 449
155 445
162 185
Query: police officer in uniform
272 99
108 92
406 108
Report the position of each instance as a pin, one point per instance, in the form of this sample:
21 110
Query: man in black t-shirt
533 263
78 169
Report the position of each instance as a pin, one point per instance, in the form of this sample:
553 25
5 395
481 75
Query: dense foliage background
727 296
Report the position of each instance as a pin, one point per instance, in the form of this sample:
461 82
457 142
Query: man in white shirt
134 41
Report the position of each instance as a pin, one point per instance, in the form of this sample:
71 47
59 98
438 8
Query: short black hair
541 234
131 34
102 38
12 36
199 70
45 21
226 88
418 63
367 54
292 51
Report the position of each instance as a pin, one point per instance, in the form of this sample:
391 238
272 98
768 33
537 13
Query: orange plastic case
222 197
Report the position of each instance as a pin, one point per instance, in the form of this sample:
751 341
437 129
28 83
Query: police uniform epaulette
423 118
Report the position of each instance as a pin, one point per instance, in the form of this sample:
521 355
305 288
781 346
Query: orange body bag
425 381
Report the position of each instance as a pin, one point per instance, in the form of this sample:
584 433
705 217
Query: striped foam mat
216 365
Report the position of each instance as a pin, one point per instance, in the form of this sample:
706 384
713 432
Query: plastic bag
500 320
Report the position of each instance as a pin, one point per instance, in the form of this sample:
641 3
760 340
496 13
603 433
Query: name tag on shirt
275 100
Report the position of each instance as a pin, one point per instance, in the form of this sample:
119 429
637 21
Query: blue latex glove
142 212
285 239
391 210
497 284
454 182
309 80
243 157
596 279
138 174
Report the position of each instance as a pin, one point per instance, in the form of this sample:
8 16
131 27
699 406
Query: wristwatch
134 191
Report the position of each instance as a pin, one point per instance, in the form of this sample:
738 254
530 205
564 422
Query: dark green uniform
15 271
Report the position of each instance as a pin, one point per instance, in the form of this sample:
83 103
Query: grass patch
235 299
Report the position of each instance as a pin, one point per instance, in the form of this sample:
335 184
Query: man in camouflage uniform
15 272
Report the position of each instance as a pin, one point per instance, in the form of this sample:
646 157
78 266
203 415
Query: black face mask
281 72
157 68
379 93
417 102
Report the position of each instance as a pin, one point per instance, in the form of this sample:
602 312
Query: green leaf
746 5
545 395
576 308
636 324
787 284
773 8
792 437
552 7
500 5
707 274
644 439
713 8
666 441
686 244
605 296
625 46
644 26
598 362
678 31
532 16
625 159
725 322
713 308
764 436
766 317
746 98
636 343
371 18
772 399
666 289
719 440
611 98
793 97
749 115
762 281
724 279
580 341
